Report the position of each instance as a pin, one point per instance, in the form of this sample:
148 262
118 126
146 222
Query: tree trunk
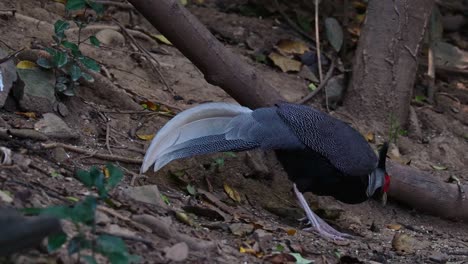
385 63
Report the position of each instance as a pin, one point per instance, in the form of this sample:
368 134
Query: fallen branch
92 153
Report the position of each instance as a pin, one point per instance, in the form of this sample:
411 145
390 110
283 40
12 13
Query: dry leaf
291 232
27 114
161 38
145 137
439 168
25 64
150 105
292 47
284 63
233 194
370 137
394 227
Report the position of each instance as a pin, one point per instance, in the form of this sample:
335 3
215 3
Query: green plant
395 129
82 214
65 56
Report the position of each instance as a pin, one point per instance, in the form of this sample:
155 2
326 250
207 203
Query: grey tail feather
201 146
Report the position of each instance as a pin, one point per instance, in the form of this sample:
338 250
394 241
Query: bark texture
385 63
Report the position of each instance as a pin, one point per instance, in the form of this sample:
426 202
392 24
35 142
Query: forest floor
262 224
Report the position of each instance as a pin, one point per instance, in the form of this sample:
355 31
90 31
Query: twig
322 84
107 138
112 3
148 55
95 155
123 218
147 242
137 112
8 57
291 23
319 55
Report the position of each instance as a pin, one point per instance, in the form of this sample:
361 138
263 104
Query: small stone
59 155
403 244
54 127
240 229
178 252
439 257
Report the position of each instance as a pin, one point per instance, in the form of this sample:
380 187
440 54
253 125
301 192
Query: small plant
65 56
395 129
82 214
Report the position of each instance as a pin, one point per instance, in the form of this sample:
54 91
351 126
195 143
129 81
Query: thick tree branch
219 65
410 186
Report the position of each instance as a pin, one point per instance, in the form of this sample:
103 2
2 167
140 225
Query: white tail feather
202 120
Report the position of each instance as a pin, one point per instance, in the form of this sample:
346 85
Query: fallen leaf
284 63
369 137
247 250
161 38
178 252
5 196
300 259
184 218
150 105
27 114
233 194
334 33
312 87
145 137
291 47
291 232
25 64
394 227
439 168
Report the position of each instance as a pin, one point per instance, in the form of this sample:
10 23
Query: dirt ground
264 221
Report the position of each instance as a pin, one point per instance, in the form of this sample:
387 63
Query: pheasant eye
386 184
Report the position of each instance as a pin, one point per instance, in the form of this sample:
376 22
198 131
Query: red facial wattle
386 184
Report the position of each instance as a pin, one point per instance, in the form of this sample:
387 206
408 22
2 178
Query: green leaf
90 63
230 154
191 189
59 28
61 59
85 178
115 176
420 98
60 211
44 63
95 41
75 4
51 51
165 199
77 243
334 33
300 259
84 211
114 249
312 87
89 259
87 77
219 162
61 87
98 8
75 72
70 45
54 242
